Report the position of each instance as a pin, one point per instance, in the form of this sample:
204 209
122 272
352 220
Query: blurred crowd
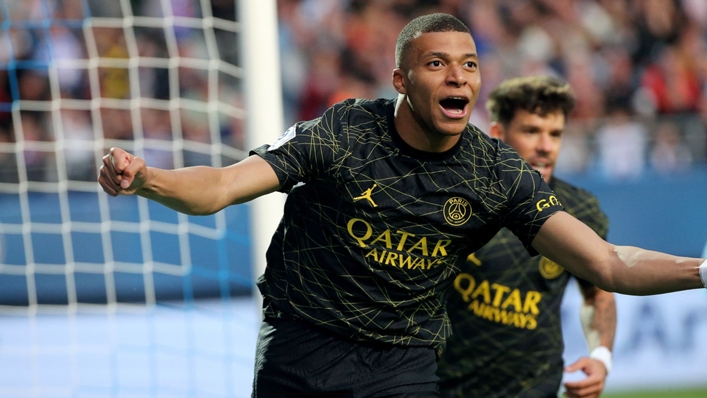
67 78
638 69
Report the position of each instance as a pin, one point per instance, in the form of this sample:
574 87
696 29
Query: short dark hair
437 22
536 94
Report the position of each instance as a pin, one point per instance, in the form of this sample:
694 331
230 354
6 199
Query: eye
472 65
435 64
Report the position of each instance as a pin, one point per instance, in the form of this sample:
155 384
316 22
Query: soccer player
387 198
505 307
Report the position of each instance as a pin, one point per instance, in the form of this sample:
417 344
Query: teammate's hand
593 385
122 173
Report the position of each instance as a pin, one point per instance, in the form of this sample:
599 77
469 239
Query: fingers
116 175
577 365
589 391
592 385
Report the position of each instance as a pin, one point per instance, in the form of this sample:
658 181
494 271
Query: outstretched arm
623 269
598 316
198 190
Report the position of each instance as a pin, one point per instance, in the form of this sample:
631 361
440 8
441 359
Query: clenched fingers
113 177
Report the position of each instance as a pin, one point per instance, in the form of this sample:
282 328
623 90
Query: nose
544 144
456 76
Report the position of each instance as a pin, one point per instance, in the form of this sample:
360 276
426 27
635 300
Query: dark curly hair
536 94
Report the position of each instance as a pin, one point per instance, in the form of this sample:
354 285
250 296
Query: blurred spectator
623 58
8 161
156 127
78 143
622 145
33 130
669 154
672 82
646 58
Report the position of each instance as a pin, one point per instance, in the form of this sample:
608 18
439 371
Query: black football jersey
374 231
505 314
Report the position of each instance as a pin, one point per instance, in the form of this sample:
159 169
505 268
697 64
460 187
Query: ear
496 130
399 81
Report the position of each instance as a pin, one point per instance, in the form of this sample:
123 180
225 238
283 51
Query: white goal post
103 296
264 120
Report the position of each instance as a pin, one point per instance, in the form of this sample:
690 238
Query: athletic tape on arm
602 354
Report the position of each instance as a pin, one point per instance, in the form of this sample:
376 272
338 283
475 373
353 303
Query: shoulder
499 158
482 146
353 112
572 193
581 204
362 107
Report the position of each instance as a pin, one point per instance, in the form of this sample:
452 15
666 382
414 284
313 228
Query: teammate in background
354 289
505 305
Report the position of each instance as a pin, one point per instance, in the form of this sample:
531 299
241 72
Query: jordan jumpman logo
367 195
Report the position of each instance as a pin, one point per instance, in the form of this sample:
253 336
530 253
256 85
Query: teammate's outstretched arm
198 190
622 269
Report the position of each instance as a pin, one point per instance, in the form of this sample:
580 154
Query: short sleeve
531 201
306 150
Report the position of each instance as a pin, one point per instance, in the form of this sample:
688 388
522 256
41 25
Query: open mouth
543 167
454 106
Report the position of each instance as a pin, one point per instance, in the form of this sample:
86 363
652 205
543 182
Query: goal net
103 296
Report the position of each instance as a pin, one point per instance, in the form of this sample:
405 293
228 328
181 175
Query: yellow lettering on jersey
373 253
472 258
401 260
478 307
407 260
420 245
465 280
507 307
360 239
483 289
420 263
500 290
439 247
531 302
514 300
385 237
532 322
496 315
489 313
434 261
390 252
404 237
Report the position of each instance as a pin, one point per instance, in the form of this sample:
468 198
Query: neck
418 135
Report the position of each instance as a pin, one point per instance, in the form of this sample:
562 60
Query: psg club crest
550 269
457 211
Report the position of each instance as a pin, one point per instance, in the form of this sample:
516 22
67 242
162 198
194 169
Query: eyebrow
446 55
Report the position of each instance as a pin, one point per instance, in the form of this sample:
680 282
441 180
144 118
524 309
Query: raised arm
622 269
198 190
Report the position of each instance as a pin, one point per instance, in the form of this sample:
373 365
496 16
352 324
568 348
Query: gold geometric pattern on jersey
374 231
491 352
